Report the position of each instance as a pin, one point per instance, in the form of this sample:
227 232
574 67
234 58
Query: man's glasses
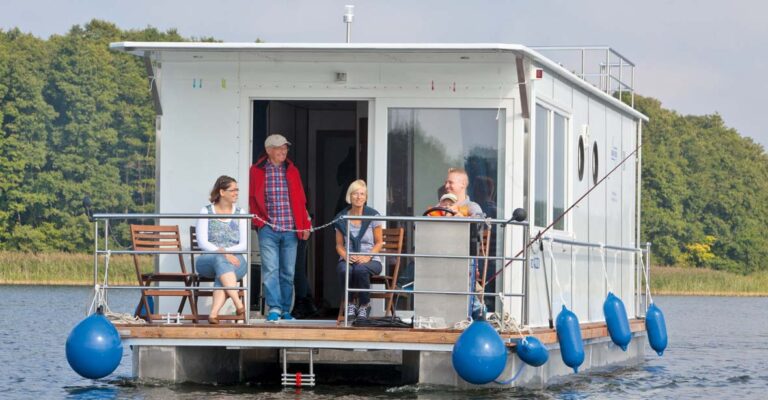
232 190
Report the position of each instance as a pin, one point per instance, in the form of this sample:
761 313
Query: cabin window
595 163
580 155
422 143
550 167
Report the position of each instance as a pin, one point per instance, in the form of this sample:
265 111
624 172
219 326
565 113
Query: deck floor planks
345 334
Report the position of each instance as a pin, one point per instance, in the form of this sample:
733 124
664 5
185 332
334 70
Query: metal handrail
638 275
181 287
107 217
486 221
593 245
460 220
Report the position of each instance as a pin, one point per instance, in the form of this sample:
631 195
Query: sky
696 56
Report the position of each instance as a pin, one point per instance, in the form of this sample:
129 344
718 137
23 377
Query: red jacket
295 193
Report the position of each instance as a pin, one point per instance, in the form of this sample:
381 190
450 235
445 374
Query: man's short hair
459 171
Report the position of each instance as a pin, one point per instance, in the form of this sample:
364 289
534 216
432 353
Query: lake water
718 349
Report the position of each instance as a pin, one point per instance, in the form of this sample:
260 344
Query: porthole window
595 163
580 158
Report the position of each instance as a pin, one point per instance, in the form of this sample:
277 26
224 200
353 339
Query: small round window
580 158
595 163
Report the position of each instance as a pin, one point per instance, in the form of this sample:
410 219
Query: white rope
616 268
647 281
500 324
124 318
100 295
554 272
605 270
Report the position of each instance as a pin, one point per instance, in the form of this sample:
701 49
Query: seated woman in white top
223 235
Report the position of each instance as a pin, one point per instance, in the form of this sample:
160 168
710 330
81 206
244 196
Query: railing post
503 228
249 260
608 71
621 74
95 257
632 82
648 273
526 265
346 277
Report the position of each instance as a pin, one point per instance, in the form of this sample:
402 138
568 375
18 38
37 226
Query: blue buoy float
479 355
532 351
656 328
569 337
93 347
617 321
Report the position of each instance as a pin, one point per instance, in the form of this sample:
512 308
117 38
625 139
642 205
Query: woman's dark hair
222 183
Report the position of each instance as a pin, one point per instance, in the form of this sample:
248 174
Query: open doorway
329 147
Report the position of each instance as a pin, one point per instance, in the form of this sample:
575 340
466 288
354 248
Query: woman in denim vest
225 235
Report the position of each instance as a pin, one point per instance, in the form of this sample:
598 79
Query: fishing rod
541 233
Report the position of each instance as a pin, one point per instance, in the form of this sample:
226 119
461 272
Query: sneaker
363 312
287 316
273 316
351 312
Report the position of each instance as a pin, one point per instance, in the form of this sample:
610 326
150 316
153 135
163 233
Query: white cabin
529 132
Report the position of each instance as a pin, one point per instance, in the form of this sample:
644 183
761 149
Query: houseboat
531 130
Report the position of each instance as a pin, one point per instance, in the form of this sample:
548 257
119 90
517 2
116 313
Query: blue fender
656 328
617 321
479 355
532 351
569 337
93 347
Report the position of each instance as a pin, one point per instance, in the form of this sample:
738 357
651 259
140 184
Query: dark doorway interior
329 147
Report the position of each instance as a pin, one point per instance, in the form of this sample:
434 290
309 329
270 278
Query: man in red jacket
278 201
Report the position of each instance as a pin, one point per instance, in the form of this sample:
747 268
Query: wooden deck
307 334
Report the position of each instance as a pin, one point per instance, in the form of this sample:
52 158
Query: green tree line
77 119
705 192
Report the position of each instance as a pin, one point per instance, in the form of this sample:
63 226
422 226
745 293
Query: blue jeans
359 278
278 264
215 265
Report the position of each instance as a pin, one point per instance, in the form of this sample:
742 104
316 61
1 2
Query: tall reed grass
66 268
699 281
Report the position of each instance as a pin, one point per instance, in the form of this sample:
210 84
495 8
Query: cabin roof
363 52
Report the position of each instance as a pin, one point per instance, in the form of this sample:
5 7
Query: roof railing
601 66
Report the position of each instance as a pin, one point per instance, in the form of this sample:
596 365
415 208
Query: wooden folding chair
161 238
393 244
202 279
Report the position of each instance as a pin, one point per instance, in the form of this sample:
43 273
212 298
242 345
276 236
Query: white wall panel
613 200
629 141
597 209
580 214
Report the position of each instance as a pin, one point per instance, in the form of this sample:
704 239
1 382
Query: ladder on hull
297 379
